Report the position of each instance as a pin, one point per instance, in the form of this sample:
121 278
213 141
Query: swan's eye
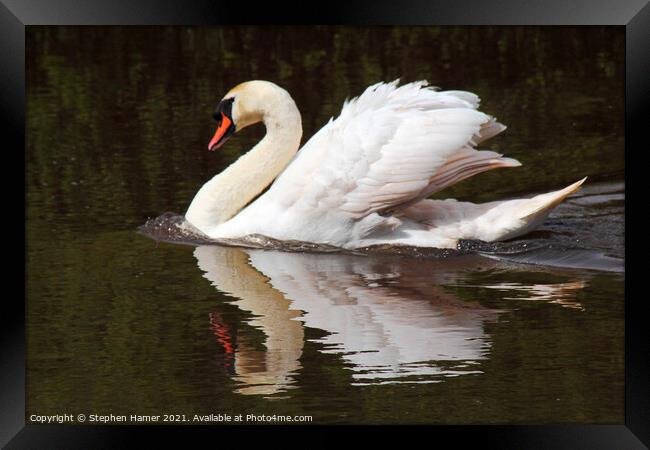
225 107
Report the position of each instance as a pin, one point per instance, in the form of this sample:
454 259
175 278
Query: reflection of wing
384 327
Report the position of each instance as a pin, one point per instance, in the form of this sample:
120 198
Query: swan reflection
563 294
390 319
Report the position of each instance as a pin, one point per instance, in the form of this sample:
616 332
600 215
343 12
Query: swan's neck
227 193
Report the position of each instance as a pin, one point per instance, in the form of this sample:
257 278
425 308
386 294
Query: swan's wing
374 315
388 148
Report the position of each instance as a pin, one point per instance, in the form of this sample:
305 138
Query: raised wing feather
389 147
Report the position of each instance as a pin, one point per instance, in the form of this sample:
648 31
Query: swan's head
251 102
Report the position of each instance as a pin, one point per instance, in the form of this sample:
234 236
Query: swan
363 178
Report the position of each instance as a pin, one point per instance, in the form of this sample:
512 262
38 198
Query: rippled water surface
128 314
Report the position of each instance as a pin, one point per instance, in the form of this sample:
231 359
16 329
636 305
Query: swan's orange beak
224 130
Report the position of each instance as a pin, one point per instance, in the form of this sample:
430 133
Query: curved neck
227 193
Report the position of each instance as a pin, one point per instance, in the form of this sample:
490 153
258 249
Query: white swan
363 178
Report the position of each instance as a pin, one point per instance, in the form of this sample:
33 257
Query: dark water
526 331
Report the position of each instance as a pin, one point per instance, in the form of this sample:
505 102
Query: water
525 331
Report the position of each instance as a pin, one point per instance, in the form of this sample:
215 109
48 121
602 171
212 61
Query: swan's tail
518 217
449 220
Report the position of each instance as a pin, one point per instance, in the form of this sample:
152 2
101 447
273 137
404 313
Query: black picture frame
634 15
